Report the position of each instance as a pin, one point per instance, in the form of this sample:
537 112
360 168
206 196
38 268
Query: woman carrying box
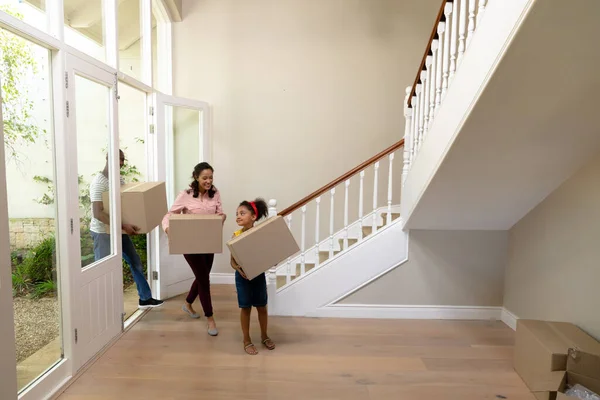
201 198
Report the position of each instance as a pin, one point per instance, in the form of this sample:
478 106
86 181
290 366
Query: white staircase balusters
407 140
288 275
432 84
317 227
347 185
446 52
360 204
303 242
454 39
331 221
462 29
426 95
471 26
435 104
480 11
390 188
456 28
375 189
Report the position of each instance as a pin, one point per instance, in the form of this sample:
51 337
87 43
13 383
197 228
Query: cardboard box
541 350
143 204
195 234
582 368
263 246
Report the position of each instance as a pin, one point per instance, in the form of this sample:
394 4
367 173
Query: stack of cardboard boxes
550 357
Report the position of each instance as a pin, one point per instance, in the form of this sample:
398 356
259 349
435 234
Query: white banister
375 189
432 82
471 28
446 50
288 270
360 203
480 11
454 39
303 243
347 185
462 29
441 56
331 220
317 226
407 137
390 184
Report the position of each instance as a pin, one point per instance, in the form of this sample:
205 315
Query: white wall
553 256
444 268
301 91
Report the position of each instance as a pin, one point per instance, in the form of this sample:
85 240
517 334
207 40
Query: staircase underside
536 122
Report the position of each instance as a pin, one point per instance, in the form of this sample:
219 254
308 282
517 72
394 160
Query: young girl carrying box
251 293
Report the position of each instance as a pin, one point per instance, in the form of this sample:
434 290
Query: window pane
132 132
130 43
186 145
30 173
84 27
32 12
93 134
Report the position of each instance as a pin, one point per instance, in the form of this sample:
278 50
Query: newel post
272 273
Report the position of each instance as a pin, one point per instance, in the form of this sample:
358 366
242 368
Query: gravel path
36 324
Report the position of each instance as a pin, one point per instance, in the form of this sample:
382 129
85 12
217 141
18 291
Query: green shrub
40 262
43 289
20 281
87 247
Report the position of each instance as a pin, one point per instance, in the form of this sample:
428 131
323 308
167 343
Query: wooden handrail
427 50
342 178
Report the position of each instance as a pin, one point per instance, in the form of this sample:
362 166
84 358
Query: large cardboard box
582 368
143 204
263 247
541 350
195 234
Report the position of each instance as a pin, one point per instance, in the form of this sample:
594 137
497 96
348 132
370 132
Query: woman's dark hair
195 185
262 209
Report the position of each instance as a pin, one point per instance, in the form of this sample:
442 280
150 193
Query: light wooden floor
167 355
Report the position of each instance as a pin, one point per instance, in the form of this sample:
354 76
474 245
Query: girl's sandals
250 349
268 343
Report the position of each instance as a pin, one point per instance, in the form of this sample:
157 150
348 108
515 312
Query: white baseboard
384 311
509 319
222 278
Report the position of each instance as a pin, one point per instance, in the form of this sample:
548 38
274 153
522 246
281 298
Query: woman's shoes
213 331
191 314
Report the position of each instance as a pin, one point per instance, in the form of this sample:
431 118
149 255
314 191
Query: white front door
97 279
183 140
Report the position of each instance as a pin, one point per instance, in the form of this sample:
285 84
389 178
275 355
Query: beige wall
301 90
445 268
554 255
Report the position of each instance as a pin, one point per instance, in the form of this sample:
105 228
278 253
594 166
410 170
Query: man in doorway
101 236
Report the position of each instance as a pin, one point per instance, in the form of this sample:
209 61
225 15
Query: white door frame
163 170
86 343
8 375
